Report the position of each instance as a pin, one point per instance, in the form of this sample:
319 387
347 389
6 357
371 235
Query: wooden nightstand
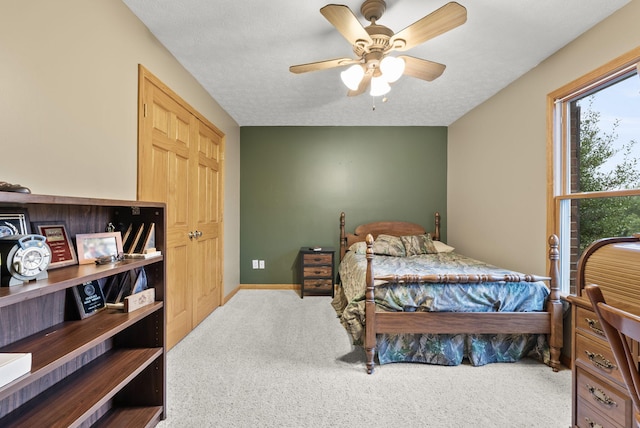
317 276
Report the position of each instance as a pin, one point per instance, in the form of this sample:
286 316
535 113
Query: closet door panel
164 168
206 212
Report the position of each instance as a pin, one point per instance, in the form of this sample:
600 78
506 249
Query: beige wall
68 104
497 152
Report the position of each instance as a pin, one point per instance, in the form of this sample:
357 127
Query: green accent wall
295 182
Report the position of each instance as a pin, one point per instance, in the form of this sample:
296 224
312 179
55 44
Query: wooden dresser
599 396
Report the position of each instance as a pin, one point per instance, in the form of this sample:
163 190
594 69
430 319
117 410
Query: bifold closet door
179 163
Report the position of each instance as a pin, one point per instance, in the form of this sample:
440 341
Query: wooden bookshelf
107 369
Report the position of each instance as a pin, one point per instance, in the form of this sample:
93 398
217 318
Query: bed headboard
395 228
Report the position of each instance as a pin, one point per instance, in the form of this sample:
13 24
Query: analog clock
23 258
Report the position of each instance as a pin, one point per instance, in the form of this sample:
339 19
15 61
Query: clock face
30 261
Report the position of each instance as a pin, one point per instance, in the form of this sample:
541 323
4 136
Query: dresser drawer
317 259
605 400
597 355
588 417
317 271
587 322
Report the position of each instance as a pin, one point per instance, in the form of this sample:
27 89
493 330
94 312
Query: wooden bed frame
548 322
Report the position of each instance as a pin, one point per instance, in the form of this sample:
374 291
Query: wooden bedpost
370 309
343 237
554 305
436 233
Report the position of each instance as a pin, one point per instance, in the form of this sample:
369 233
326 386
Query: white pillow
442 247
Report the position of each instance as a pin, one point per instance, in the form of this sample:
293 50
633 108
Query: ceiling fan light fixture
352 76
379 86
392 68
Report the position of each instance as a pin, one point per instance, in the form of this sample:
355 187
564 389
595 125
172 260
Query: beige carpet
270 359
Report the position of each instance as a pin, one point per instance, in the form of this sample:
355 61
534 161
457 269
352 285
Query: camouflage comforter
443 349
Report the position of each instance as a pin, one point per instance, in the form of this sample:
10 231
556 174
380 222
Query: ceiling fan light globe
352 76
379 86
392 68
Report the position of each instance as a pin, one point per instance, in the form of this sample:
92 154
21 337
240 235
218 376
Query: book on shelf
13 365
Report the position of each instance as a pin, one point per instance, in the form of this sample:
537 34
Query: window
594 147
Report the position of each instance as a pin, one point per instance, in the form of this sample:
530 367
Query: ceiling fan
372 44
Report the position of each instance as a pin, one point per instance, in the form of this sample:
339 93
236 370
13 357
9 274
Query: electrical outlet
254 264
261 264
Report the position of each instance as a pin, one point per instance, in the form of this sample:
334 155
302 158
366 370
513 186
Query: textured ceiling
241 50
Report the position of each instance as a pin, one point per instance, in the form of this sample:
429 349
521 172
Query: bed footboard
548 322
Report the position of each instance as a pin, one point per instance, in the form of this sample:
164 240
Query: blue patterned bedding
443 349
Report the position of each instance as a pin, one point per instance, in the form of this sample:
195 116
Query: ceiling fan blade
421 68
364 84
346 23
442 20
322 65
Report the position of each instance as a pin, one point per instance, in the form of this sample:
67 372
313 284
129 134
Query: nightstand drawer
318 284
603 398
317 259
317 271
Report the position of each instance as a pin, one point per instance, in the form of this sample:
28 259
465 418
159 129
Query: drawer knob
594 325
601 396
592 424
599 360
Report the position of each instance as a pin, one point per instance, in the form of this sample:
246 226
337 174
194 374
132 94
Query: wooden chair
619 325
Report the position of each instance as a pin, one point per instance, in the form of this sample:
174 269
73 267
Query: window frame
559 196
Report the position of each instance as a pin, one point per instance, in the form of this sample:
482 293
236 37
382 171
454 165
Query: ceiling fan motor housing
372 10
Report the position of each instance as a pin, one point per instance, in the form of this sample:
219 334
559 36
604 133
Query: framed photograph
93 245
59 242
14 222
89 298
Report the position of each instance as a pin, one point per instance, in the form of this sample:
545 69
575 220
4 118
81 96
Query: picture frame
127 237
14 221
149 242
57 237
139 239
91 246
136 239
118 287
89 298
